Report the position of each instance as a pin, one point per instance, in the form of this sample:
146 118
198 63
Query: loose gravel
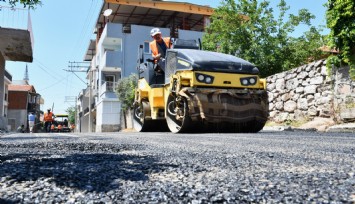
268 167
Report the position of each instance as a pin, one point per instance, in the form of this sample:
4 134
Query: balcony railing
108 86
18 18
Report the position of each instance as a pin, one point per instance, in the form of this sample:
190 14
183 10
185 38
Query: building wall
17 100
109 110
3 121
17 117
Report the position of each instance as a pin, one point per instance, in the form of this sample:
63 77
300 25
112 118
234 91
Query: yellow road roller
199 91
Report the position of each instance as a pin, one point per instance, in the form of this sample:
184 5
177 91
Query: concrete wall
309 91
17 118
108 116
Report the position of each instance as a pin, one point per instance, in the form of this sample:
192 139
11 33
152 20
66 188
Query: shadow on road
91 172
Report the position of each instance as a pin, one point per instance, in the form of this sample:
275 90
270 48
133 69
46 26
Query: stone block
290 106
347 114
311 89
279 105
292 84
302 104
280 84
316 80
270 86
299 89
312 111
282 117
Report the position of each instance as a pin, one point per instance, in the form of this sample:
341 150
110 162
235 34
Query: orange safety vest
48 117
154 47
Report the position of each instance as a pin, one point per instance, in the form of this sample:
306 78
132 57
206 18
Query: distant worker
65 123
21 129
31 121
52 128
48 119
159 45
72 127
59 127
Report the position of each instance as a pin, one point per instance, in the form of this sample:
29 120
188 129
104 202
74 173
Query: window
110 79
147 48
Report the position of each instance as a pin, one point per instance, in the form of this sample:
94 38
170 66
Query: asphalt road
268 167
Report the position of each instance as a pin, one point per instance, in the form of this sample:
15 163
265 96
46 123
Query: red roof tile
14 87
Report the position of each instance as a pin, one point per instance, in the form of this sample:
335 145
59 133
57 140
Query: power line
78 67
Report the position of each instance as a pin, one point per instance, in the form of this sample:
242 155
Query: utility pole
83 67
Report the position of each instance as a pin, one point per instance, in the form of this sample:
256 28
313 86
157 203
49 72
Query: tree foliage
71 114
25 3
341 22
125 91
249 30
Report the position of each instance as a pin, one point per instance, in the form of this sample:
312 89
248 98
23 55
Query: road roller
198 91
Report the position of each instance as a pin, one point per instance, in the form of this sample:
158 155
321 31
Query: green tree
125 91
71 114
340 20
250 30
25 3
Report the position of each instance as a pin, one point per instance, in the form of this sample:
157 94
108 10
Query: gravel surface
268 167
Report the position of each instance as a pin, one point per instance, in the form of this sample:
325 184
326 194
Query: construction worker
159 45
52 127
72 127
31 121
48 119
21 129
59 127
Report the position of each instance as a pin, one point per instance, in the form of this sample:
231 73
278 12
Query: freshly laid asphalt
267 167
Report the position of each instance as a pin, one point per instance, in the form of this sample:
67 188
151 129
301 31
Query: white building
16 44
124 27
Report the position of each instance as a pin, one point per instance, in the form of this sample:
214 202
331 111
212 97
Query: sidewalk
318 124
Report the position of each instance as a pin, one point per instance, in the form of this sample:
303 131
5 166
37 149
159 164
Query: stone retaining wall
308 91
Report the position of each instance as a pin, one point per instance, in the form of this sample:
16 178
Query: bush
125 91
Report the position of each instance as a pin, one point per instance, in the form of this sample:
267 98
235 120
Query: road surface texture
268 167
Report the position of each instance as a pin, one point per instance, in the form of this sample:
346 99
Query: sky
62 30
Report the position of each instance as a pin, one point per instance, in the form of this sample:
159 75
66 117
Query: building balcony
16 38
111 61
111 35
107 90
33 107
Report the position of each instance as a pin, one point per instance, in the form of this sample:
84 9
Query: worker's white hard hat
155 31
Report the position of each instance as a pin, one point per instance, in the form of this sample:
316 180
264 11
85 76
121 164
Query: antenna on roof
26 78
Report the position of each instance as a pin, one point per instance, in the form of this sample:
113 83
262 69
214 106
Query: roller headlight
204 78
201 77
252 80
208 80
248 81
245 82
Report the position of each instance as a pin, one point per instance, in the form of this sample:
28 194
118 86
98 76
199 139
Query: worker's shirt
31 117
48 117
160 47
